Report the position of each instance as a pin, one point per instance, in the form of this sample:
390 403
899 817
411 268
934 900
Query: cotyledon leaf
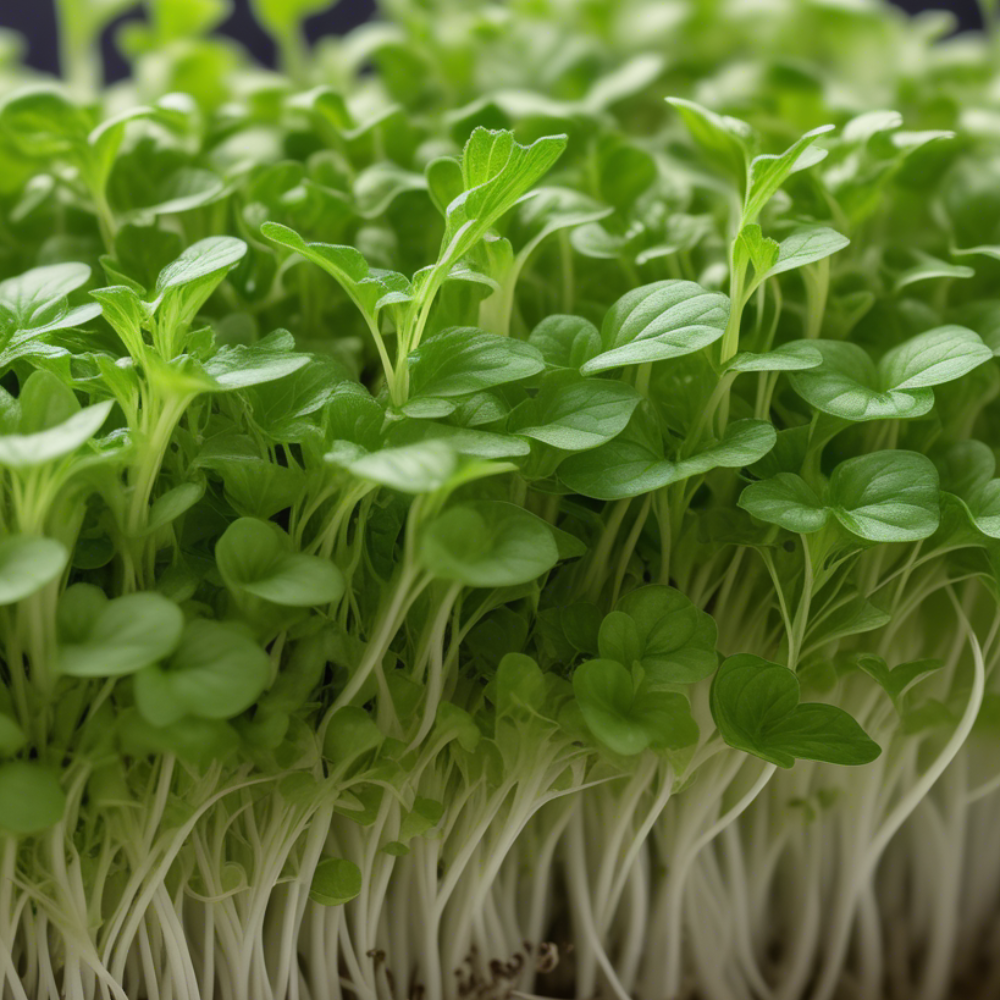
848 384
626 468
755 704
887 496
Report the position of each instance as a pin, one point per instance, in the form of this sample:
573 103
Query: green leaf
788 501
27 564
933 358
378 186
460 361
255 557
846 385
44 121
929 268
756 706
216 672
520 686
206 259
421 819
415 468
112 638
626 467
759 250
185 285
45 401
804 246
444 181
723 139
604 691
850 386
853 617
665 320
566 341
672 640
768 173
888 496
454 723
799 355
188 18
336 881
496 172
244 365
369 290
172 504
628 720
351 734
488 543
35 304
897 681
125 310
28 451
573 414
31 797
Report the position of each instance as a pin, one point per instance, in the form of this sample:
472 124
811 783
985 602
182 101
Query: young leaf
336 881
655 322
520 686
788 501
768 173
172 504
756 706
255 557
350 734
31 797
673 641
626 467
888 496
566 341
184 285
496 172
102 638
929 268
35 304
629 720
897 681
216 672
414 468
933 358
44 122
488 543
27 564
369 290
804 246
27 451
850 386
421 819
798 355
242 366
725 140
573 414
762 252
460 361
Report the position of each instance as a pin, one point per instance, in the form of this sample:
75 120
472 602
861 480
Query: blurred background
35 19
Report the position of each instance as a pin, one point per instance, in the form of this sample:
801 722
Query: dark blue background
36 20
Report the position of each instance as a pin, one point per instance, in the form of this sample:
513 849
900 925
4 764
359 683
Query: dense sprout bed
472 527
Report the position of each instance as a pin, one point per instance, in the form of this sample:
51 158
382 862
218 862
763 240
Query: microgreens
473 524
